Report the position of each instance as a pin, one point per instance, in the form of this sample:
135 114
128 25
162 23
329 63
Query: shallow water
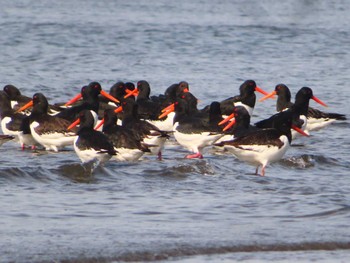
177 209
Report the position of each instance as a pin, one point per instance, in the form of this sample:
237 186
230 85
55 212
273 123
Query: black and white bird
263 146
15 124
47 130
91 145
147 132
128 146
315 119
246 98
90 101
196 130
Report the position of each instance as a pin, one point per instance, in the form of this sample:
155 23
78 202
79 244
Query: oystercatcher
149 133
15 124
91 145
196 131
263 146
246 98
49 131
90 101
128 146
314 119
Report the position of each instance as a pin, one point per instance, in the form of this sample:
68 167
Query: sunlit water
209 210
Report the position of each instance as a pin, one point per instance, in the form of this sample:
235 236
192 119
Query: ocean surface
178 210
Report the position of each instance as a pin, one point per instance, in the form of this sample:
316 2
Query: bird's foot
196 155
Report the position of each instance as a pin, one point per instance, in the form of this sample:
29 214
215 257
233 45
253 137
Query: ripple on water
28 173
306 161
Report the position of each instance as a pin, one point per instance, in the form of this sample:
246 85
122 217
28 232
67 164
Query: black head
242 116
304 92
110 118
87 120
302 99
39 98
93 89
12 91
284 97
130 85
191 100
247 87
282 89
144 89
40 104
184 86
171 91
239 111
118 90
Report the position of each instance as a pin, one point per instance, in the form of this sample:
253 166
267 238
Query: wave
75 172
186 251
309 160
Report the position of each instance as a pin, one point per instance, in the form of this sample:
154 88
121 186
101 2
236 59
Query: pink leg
23 147
33 147
159 156
196 155
263 171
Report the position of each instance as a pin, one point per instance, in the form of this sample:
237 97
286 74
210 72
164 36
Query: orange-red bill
129 93
299 130
166 113
24 107
186 90
76 98
228 126
100 124
226 119
119 109
170 107
75 123
319 101
258 89
267 96
109 96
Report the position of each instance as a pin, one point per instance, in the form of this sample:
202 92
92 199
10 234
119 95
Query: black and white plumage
90 95
246 98
15 124
239 124
315 119
147 132
18 100
15 96
91 145
128 146
165 120
49 131
263 146
196 131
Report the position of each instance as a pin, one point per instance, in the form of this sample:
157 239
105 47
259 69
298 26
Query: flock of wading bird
127 122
